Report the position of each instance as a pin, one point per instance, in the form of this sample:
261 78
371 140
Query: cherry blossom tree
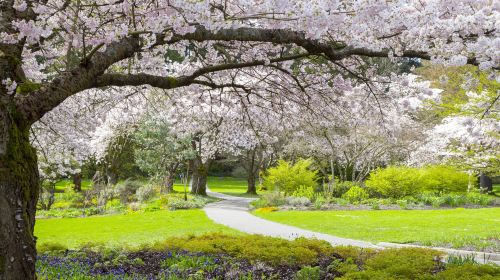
51 50
468 139
361 131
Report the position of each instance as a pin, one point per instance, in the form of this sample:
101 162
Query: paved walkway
232 211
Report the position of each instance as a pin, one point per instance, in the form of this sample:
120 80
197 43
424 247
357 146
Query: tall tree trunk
251 189
199 178
77 182
169 182
19 186
251 171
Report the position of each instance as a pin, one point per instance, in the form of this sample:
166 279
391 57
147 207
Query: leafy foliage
401 181
288 178
355 194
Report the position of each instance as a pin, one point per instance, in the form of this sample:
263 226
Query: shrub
298 201
50 247
479 198
339 188
319 202
145 193
469 271
355 194
104 195
114 203
127 188
395 182
443 179
400 181
272 250
404 263
269 199
308 273
304 191
46 199
288 178
179 203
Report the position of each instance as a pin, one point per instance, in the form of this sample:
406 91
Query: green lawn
66 184
130 229
229 185
430 227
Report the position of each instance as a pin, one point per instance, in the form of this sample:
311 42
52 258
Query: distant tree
159 152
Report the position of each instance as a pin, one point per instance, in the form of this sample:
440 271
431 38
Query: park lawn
229 185
132 229
66 184
456 227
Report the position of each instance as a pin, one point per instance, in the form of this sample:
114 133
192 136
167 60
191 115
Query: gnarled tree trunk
199 178
19 185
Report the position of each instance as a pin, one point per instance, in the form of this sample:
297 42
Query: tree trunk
485 183
169 183
251 189
199 178
77 182
19 186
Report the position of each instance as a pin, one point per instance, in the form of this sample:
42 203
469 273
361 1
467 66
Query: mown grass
457 227
67 184
132 229
229 185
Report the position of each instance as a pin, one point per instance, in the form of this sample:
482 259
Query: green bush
339 188
401 181
288 178
298 201
304 191
394 182
127 188
455 199
443 179
477 198
469 271
308 273
145 193
355 194
275 251
404 263
269 200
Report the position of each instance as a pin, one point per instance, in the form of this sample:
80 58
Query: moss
173 82
22 165
27 87
2 263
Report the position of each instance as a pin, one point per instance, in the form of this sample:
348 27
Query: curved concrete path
232 211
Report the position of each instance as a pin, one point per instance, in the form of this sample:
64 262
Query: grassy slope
456 226
131 229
